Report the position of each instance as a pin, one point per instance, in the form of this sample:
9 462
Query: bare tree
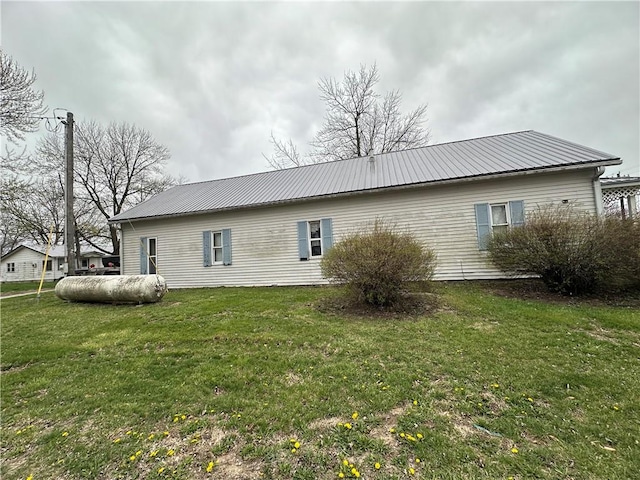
357 123
116 167
21 104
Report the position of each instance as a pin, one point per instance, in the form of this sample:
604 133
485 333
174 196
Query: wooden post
69 223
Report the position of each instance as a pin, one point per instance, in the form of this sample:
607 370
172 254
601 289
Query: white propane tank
112 289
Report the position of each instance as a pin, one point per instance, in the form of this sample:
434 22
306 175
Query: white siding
264 240
28 266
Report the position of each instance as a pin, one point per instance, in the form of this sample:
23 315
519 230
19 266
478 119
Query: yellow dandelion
132 458
65 434
117 440
348 426
171 452
210 467
402 434
30 477
354 470
183 417
530 399
128 432
420 436
415 402
165 433
377 466
151 437
161 469
354 415
412 471
392 430
514 450
495 385
297 444
154 453
293 450
357 474
616 408
417 460
138 453
345 462
341 475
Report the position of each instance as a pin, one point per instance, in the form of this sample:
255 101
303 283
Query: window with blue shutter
497 217
206 248
315 237
226 246
483 225
303 242
144 267
516 209
327 234
216 247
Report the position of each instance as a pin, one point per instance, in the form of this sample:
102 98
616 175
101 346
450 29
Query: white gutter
597 190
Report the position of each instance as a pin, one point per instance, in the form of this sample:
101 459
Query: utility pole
69 223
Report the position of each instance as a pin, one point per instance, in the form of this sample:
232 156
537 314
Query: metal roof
509 153
615 182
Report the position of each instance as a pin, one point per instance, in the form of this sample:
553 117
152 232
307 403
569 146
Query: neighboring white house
272 228
25 263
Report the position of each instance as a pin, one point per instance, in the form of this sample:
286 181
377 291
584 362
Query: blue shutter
517 213
303 243
327 234
483 225
226 246
206 248
143 256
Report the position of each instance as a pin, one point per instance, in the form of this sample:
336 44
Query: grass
260 383
9 288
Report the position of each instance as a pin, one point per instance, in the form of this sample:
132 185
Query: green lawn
10 288
260 383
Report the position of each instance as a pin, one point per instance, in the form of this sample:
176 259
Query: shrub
378 264
572 252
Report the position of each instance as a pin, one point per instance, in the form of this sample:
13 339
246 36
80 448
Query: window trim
49 265
214 248
11 267
507 215
151 264
310 240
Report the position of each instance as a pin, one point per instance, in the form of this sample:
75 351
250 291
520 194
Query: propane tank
112 289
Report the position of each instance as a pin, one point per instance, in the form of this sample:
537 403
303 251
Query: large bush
378 264
572 252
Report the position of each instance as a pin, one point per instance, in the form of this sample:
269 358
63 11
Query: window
314 238
148 256
216 247
49 266
85 263
499 221
11 267
152 256
497 217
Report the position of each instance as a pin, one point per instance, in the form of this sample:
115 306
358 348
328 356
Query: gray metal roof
615 182
495 155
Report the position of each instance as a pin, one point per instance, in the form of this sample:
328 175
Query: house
25 262
272 228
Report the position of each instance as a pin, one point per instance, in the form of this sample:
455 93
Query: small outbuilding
272 228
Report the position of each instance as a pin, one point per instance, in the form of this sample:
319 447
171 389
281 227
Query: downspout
597 190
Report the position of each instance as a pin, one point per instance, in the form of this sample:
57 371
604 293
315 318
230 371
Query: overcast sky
211 80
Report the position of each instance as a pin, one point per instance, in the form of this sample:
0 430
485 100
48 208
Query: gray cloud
212 80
